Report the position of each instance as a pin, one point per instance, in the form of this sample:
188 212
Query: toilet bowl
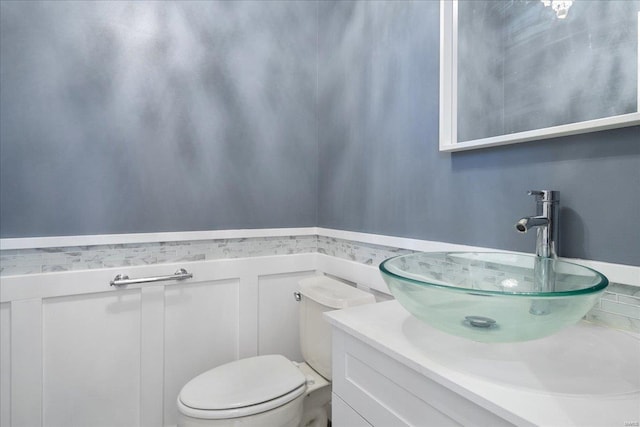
258 391
317 401
271 390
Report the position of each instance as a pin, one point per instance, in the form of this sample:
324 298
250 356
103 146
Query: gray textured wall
120 117
381 171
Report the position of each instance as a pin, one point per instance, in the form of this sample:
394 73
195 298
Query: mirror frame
449 97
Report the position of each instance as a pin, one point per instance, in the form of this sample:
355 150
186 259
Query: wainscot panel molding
77 351
122 355
5 364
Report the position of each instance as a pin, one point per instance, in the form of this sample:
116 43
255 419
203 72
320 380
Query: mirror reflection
525 65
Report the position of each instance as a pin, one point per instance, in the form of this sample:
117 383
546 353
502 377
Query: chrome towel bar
123 279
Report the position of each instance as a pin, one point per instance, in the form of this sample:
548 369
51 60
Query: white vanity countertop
586 375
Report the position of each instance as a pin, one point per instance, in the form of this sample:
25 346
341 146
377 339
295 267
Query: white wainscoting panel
278 330
201 332
5 364
26 362
91 359
78 352
152 356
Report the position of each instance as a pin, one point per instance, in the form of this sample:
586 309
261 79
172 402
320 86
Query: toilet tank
320 294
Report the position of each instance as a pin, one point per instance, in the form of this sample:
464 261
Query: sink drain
480 322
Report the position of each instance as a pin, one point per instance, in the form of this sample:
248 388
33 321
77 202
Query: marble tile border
363 253
618 308
72 258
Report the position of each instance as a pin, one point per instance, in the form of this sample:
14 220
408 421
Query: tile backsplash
619 306
32 261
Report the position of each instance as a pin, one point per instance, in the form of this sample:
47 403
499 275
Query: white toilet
271 390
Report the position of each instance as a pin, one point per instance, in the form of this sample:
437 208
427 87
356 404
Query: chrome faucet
546 222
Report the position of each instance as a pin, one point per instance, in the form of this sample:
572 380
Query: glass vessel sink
493 296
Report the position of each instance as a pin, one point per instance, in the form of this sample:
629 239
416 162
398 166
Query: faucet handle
545 195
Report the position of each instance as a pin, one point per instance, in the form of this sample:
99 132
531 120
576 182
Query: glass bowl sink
493 296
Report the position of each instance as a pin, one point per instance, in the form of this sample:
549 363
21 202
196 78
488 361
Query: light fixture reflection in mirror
560 7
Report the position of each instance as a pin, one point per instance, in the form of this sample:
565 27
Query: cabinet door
343 415
388 393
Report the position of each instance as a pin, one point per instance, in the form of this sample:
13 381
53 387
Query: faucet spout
545 221
526 223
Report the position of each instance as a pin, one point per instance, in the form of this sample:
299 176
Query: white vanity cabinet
372 389
390 369
344 415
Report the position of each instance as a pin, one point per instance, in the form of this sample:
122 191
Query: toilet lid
244 382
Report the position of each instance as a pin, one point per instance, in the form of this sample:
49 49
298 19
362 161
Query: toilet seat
221 414
242 388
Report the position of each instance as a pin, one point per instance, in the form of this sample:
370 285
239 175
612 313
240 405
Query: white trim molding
398 242
136 238
616 273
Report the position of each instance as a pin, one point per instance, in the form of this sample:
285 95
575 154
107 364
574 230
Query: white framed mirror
522 70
